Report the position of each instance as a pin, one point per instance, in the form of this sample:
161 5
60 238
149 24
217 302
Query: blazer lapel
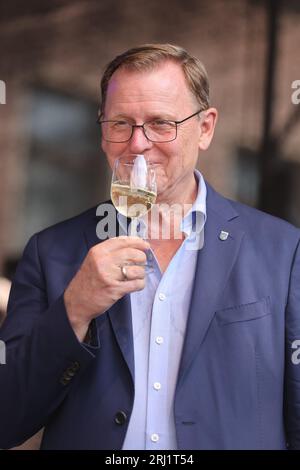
119 313
121 321
214 264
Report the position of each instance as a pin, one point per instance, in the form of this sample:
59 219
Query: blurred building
52 56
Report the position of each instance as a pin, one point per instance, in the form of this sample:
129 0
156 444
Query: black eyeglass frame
142 126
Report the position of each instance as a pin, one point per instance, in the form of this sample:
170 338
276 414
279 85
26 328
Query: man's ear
208 121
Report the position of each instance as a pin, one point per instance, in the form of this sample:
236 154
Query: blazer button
75 366
65 379
120 417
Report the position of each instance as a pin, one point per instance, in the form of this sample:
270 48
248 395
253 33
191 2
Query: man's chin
163 195
163 184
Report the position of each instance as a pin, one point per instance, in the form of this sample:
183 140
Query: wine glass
134 191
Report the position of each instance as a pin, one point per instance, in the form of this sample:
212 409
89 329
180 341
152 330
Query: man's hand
99 283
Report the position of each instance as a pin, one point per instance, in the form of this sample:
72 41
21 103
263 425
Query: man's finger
130 256
127 242
131 272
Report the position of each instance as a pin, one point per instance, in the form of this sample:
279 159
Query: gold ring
124 273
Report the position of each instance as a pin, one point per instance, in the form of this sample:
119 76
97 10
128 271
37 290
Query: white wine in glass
133 190
131 202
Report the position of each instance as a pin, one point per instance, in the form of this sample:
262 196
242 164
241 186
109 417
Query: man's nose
139 142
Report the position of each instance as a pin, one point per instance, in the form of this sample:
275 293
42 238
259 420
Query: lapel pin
223 235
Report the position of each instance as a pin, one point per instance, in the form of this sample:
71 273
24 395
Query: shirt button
159 340
154 437
161 296
157 385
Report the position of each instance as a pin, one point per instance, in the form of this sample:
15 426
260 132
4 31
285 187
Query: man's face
138 97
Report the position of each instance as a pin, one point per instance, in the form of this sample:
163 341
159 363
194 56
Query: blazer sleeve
292 369
44 359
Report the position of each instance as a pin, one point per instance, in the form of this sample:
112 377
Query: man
201 353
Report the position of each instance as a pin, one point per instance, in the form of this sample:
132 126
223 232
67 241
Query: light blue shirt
159 317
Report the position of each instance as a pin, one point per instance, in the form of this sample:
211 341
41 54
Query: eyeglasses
157 130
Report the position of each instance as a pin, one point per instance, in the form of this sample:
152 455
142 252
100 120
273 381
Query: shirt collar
196 217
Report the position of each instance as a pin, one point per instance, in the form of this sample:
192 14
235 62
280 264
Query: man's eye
161 123
119 124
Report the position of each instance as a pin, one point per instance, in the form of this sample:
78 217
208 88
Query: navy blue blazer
238 386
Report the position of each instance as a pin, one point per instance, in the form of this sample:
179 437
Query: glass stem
134 227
